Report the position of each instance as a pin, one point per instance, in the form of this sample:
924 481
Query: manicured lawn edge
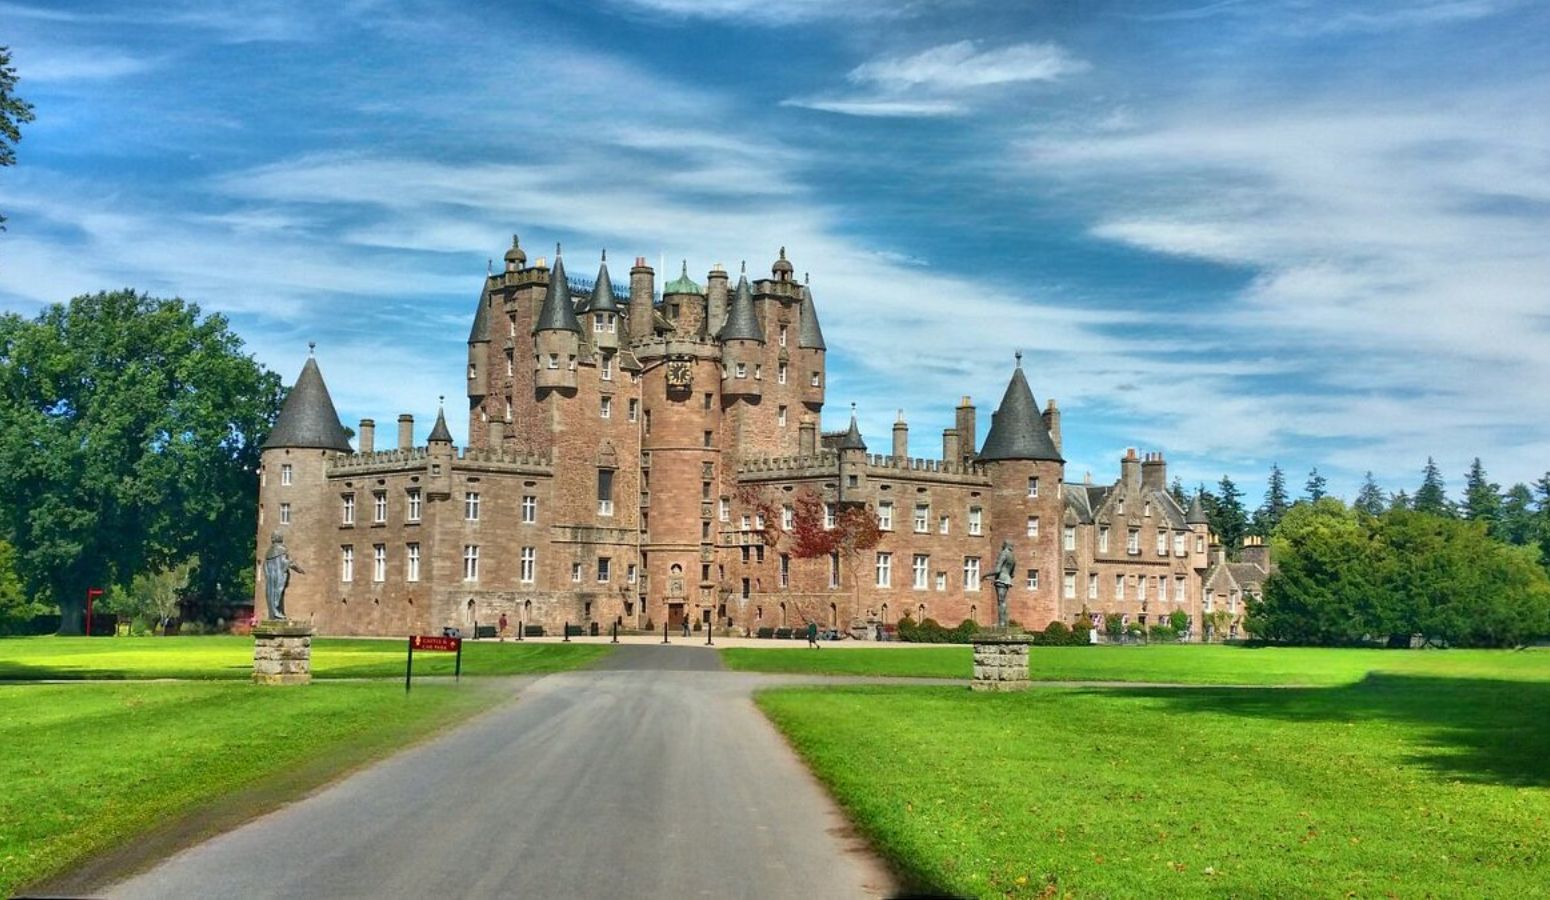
98 861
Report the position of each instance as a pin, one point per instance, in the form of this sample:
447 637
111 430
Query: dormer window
603 323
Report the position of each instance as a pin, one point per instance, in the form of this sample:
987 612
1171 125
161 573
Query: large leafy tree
129 433
14 112
1270 512
1431 496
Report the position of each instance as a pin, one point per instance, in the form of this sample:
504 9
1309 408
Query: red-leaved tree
810 536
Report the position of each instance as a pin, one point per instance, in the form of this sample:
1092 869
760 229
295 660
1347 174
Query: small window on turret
783 335
285 473
554 360
741 370
816 377
758 372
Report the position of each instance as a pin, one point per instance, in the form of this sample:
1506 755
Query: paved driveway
654 777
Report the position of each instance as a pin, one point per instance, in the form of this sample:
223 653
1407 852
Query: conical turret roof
1017 429
851 439
557 313
440 432
602 299
742 322
308 418
480 332
809 335
1197 513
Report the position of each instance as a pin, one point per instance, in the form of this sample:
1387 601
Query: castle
642 458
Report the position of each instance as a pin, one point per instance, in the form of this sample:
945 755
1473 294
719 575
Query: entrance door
675 616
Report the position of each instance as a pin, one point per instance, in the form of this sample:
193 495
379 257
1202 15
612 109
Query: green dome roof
683 284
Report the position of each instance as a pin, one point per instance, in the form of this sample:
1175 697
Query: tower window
471 506
605 492
285 473
470 562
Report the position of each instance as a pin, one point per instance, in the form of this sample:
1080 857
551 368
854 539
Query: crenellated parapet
676 347
882 465
504 460
823 463
379 461
414 458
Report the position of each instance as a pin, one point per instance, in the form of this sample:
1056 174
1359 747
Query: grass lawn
1408 785
1182 663
87 766
221 657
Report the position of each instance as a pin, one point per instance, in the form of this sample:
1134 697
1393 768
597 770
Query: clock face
679 374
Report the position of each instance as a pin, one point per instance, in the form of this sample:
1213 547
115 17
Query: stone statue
1005 572
278 567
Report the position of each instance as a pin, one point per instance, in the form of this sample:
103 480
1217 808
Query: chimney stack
1154 472
901 438
367 436
1052 422
406 432
497 433
950 445
1130 471
968 439
642 289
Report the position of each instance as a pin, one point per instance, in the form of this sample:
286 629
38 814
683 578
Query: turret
684 304
716 296
742 341
557 333
479 349
901 438
642 287
1200 533
810 352
601 311
1026 507
308 419
439 447
852 452
516 257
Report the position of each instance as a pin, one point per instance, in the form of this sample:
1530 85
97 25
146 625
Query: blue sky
1238 232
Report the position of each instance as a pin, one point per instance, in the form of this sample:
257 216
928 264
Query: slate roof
1017 430
557 314
1084 499
851 439
1197 513
441 432
602 299
809 335
308 418
481 330
742 322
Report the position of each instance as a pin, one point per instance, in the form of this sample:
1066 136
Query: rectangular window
1162 543
971 573
788 517
1103 539
1068 586
780 416
708 400
747 591
1146 509
758 521
412 562
471 506
1069 539
1033 526
885 515
605 407
470 562
922 519
379 562
629 574
743 522
349 509
1200 543
785 570
834 570
347 563
944 524
604 568
605 492
285 514
741 370
1033 486
975 522
286 473
511 364
608 368
758 372
1133 542
920 566
1119 587
816 378
554 360
1162 588
1178 544
379 506
941 581
884 569
1179 594
828 516
632 410
1092 586
747 553
529 565
1141 588
414 504
783 335
1033 579
709 438
780 374
529 509
575 572
725 510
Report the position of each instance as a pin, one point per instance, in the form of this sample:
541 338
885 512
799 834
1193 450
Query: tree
16 608
1177 490
1317 485
1482 499
813 534
1431 497
1225 511
14 112
1321 591
1517 525
1370 499
1542 530
1270 512
129 434
152 598
1399 500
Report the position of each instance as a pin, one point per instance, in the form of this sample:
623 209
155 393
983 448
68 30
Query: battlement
521 459
895 465
824 462
400 460
675 346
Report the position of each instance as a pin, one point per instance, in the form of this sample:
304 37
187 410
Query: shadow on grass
1476 730
20 671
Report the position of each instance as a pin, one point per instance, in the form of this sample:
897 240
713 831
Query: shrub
1055 634
1114 625
766 632
1178 620
783 634
965 631
1164 633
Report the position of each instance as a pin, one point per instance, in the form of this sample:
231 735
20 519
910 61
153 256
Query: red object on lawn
91 595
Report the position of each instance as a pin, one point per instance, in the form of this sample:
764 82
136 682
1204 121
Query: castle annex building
631 450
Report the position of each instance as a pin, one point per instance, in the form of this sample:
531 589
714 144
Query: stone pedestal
282 652
1000 662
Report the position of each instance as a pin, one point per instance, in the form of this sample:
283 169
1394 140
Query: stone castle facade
631 450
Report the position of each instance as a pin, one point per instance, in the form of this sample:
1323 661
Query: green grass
223 657
1400 785
1177 663
86 767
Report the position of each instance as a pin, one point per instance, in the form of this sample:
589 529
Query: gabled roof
557 314
742 322
602 299
809 335
1084 499
308 418
440 432
1017 429
481 330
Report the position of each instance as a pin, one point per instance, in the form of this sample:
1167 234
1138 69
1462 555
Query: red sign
426 642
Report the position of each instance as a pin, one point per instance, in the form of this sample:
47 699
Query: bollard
664 633
616 633
521 628
567 632
708 641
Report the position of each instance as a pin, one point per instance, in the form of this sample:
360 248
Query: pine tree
1177 490
1431 497
1317 485
1542 517
1273 509
1482 499
1370 498
1399 500
1518 524
1229 522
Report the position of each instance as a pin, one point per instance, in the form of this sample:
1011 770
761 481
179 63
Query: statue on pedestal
1004 573
278 567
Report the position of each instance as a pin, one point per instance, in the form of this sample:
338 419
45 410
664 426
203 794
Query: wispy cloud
788 12
80 64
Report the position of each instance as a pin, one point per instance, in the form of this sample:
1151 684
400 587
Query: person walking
812 635
503 624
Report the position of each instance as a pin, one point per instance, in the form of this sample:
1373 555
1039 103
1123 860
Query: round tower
810 354
556 334
742 345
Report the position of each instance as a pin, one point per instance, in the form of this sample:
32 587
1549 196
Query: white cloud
878 107
787 12
79 64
